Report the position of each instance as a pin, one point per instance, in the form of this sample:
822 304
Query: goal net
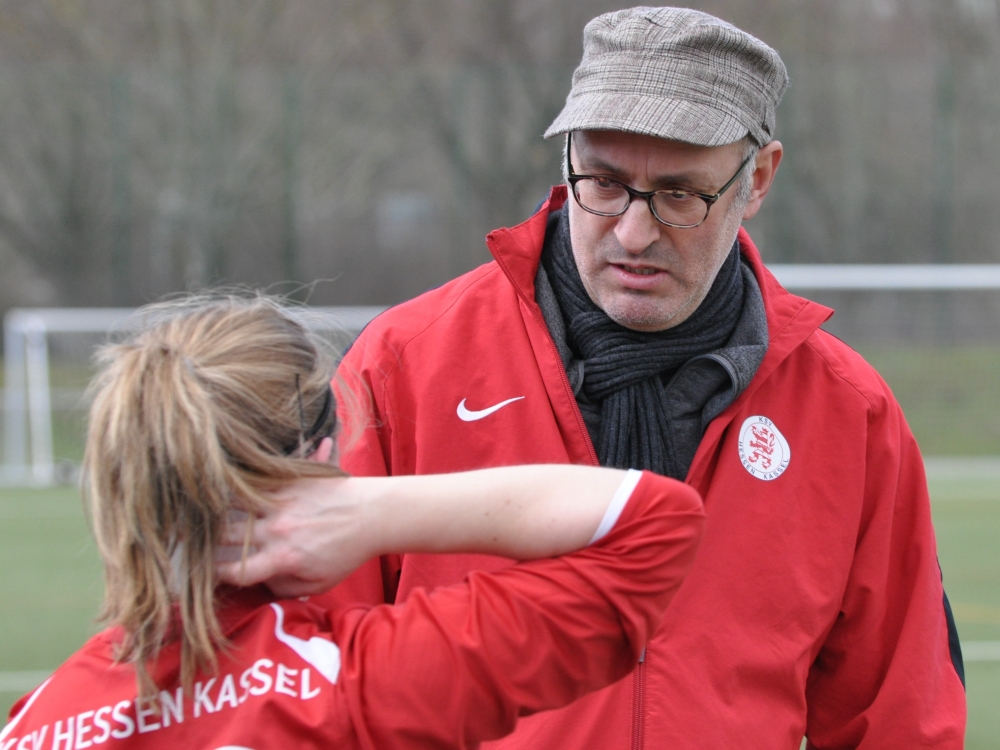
48 357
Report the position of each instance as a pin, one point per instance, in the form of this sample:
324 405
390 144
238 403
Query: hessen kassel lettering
125 718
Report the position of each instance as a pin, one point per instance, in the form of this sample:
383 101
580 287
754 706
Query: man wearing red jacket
630 322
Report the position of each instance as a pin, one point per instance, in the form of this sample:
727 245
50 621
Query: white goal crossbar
27 414
27 406
933 277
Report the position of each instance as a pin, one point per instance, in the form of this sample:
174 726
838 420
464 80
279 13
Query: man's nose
637 228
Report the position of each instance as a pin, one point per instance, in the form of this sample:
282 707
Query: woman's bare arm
322 529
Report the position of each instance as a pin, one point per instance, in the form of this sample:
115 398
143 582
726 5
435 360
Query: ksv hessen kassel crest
764 451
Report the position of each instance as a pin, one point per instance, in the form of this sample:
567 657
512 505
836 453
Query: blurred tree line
153 146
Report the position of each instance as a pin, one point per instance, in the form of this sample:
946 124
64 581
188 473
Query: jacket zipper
581 424
639 704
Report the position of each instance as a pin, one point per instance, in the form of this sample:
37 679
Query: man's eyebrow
698 178
599 164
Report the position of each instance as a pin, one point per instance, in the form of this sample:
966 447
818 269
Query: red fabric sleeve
364 436
360 453
459 665
884 677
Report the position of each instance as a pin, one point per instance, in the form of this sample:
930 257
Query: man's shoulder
480 295
408 319
458 314
806 351
847 368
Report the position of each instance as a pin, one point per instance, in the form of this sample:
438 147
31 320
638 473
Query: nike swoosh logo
471 416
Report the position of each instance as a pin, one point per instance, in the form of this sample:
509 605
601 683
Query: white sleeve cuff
614 511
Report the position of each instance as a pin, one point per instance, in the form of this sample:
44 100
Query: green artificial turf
51 584
948 393
967 521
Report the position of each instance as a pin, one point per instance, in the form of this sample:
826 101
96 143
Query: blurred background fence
171 144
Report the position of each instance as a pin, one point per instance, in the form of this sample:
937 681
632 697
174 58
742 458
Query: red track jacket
444 670
815 604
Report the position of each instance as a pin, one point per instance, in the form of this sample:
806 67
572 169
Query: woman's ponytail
192 417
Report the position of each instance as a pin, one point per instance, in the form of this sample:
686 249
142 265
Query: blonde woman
209 411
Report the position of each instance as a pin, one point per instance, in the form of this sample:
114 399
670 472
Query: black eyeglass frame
573 178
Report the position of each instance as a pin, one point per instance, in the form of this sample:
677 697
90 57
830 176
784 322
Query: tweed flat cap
673 73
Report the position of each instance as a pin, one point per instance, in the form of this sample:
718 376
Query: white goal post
27 403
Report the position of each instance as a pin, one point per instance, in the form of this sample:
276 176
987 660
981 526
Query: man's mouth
638 278
639 271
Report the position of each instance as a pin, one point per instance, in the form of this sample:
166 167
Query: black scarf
627 371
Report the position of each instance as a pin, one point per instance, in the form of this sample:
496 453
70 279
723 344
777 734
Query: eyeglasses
675 207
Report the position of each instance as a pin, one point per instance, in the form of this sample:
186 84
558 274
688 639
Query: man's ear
323 451
768 159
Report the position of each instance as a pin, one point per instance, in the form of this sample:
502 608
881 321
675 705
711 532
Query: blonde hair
203 410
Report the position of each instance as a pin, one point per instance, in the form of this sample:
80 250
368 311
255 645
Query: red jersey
815 605
449 668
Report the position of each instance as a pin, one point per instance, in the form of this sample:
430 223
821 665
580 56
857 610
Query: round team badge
764 452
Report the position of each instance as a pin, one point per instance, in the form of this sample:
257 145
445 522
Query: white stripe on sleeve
13 722
611 515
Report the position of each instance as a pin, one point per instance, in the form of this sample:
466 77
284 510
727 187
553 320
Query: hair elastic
324 414
307 436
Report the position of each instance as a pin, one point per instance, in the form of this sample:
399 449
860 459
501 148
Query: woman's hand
313 538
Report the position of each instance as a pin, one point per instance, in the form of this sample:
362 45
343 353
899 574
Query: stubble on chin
634 309
641 312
